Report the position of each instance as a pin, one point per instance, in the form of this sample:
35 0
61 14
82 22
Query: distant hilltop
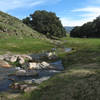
69 28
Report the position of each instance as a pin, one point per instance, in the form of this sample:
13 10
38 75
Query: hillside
11 26
16 37
68 28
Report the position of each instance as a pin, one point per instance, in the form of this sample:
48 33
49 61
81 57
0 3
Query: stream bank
7 77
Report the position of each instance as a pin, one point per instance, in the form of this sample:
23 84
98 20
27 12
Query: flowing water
43 75
68 49
4 78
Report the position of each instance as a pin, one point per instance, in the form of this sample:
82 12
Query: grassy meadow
24 45
81 78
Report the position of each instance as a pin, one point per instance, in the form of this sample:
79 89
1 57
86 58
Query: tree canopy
46 22
90 29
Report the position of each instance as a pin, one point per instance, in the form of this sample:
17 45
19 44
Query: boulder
28 73
28 81
32 65
4 64
30 89
21 60
7 58
40 66
45 64
51 55
22 87
18 86
1 57
37 66
26 57
15 86
17 68
13 59
20 73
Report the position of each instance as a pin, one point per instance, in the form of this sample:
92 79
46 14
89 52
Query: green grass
85 51
11 26
16 37
24 45
81 78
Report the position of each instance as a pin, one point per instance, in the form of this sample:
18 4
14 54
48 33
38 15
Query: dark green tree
90 29
47 23
27 21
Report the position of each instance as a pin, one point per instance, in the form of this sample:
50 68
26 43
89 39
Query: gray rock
7 58
4 64
28 73
13 59
30 89
21 60
26 57
45 64
40 66
21 73
18 68
15 86
40 80
32 65
1 57
28 81
22 87
51 55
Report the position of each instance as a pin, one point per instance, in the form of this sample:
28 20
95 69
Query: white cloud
91 12
36 3
6 5
71 22
88 9
87 14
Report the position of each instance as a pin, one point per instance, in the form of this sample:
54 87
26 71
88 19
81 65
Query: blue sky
70 12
